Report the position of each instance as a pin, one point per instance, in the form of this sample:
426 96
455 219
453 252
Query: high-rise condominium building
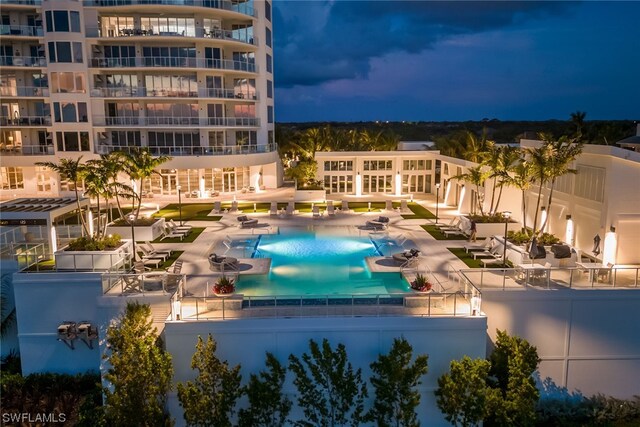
191 79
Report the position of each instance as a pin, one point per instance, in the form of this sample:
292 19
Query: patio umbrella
533 248
596 245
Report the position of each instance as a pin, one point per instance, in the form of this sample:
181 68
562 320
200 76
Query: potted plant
224 286
421 284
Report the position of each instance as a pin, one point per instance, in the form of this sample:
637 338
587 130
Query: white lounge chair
151 255
169 233
403 205
246 222
273 210
291 208
331 210
217 207
315 212
388 205
154 250
471 247
180 227
345 206
234 206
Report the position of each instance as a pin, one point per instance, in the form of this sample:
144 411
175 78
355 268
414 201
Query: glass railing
23 2
194 151
156 282
245 7
433 304
22 61
104 92
187 32
175 121
26 150
21 30
536 276
24 91
174 62
26 121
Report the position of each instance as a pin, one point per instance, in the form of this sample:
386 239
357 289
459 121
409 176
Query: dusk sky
418 60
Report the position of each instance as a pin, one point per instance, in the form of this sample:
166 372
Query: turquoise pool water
318 263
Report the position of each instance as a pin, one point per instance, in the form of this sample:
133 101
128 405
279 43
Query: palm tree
139 164
577 119
565 151
71 170
96 185
521 177
539 159
507 159
474 147
476 176
7 309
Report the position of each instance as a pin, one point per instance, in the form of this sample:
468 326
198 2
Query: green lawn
190 212
174 256
195 232
439 235
465 257
419 211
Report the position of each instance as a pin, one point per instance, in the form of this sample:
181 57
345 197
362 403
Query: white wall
587 339
245 342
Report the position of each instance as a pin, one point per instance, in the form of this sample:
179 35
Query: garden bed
190 238
145 228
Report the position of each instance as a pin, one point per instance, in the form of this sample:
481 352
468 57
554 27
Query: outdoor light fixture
568 236
610 246
179 187
506 215
369 206
254 207
437 200
475 305
132 218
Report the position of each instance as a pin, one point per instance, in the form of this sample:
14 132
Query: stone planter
94 260
143 232
310 196
489 229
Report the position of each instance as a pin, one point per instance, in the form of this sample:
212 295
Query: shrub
421 283
524 236
95 244
224 286
488 219
121 222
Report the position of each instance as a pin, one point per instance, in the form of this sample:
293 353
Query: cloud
319 42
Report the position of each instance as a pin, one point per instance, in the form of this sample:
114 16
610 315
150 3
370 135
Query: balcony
21 30
24 92
23 2
244 8
132 92
150 34
26 150
39 121
194 151
177 121
23 61
174 62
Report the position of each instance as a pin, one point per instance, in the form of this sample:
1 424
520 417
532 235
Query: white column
358 184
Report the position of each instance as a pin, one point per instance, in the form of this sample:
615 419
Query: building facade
189 79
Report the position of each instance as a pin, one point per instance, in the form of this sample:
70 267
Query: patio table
592 267
535 271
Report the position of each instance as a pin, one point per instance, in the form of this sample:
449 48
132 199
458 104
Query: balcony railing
34 91
23 2
176 121
26 121
27 150
194 151
218 34
244 8
174 62
21 30
22 61
105 92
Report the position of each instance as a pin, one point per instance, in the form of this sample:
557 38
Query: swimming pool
308 262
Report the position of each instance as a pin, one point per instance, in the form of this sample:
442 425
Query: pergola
35 212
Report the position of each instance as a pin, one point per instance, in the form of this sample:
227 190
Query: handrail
36 91
21 30
198 32
143 283
23 61
25 121
194 151
244 7
124 92
173 62
176 121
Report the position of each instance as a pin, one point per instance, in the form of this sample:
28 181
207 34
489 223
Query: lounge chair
345 206
273 210
291 208
171 281
180 227
472 247
245 222
176 268
454 224
169 233
217 207
407 257
146 254
159 251
315 212
403 205
491 253
130 283
234 207
380 224
331 210
491 261
453 232
388 205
